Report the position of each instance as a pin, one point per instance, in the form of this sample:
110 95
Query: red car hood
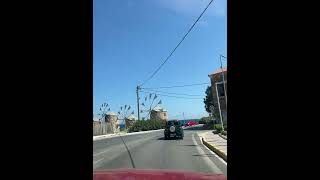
146 174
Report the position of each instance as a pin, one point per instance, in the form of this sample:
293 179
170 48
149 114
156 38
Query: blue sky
132 37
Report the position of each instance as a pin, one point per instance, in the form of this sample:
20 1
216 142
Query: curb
223 137
214 149
95 138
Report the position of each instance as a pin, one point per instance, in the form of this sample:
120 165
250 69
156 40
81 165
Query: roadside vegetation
204 120
209 125
146 125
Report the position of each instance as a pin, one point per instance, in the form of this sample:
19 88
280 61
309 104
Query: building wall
218 78
159 115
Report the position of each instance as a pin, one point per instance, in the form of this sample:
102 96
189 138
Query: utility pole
224 84
219 107
137 91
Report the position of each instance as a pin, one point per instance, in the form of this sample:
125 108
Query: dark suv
173 129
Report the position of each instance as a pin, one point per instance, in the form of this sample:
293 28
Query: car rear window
170 123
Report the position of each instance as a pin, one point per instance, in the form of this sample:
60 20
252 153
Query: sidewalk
215 143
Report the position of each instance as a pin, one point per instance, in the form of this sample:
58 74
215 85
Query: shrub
146 125
224 133
218 127
202 121
208 125
205 120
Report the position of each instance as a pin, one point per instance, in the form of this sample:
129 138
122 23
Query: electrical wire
176 93
177 86
176 46
170 95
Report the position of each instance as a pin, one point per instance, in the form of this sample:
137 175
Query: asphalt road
151 151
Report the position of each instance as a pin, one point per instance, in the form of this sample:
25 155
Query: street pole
224 87
219 107
137 91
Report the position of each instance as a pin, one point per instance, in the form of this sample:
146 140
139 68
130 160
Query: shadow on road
204 155
162 138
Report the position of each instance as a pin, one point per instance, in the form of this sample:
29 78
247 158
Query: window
220 88
164 114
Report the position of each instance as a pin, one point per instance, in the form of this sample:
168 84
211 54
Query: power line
176 46
176 93
177 96
177 86
171 96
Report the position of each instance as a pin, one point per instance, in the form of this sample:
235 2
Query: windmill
148 105
124 112
103 111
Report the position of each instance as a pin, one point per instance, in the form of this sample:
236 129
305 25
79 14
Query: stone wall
159 115
101 128
113 121
109 126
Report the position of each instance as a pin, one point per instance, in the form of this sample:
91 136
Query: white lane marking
97 154
210 164
98 161
218 157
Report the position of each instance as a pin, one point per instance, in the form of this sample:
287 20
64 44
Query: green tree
205 120
208 101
